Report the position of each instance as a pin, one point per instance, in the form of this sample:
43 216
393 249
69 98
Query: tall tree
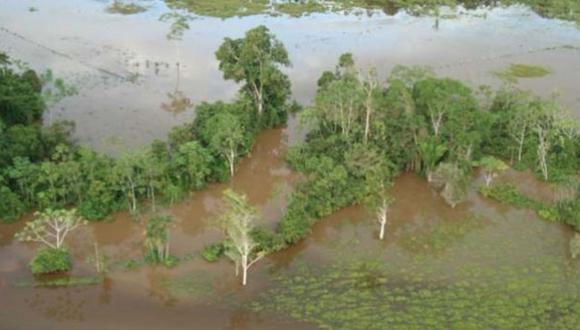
256 60
227 137
238 222
50 227
492 167
370 85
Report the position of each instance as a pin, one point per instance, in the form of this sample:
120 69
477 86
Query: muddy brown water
125 69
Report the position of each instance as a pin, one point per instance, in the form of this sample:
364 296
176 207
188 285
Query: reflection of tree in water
62 304
157 289
106 290
178 101
240 319
429 237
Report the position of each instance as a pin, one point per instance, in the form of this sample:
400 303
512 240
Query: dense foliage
42 168
362 133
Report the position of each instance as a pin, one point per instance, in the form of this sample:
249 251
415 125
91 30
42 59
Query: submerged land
260 165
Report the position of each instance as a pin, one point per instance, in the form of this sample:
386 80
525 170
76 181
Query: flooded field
462 263
126 68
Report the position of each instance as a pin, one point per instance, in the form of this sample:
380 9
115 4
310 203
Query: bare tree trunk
97 258
152 197
245 269
382 214
367 124
382 234
232 161
543 152
521 143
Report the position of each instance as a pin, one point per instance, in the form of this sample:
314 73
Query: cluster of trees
42 168
362 133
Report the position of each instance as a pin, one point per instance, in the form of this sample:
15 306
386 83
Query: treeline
363 133
42 168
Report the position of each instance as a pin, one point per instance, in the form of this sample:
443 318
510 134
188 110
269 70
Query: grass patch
221 8
125 8
509 194
564 9
68 281
436 239
516 71
194 285
373 296
296 9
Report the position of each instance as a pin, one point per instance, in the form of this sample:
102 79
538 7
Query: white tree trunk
232 160
521 143
367 124
382 215
382 234
543 152
245 269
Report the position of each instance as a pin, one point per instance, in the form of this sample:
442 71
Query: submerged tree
157 239
255 60
238 222
431 151
492 167
381 203
453 182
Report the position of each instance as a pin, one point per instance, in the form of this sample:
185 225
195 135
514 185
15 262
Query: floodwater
125 69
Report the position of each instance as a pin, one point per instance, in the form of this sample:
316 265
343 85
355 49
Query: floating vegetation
564 9
426 238
125 8
509 194
516 71
221 8
66 281
542 293
193 285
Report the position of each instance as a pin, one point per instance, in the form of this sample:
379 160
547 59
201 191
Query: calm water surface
125 69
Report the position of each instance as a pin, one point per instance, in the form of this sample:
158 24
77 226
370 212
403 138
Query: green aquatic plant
66 281
515 71
435 239
376 296
213 252
575 245
125 7
192 285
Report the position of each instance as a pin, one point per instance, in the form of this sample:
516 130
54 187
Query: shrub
49 260
509 194
11 208
171 261
268 241
569 213
213 252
